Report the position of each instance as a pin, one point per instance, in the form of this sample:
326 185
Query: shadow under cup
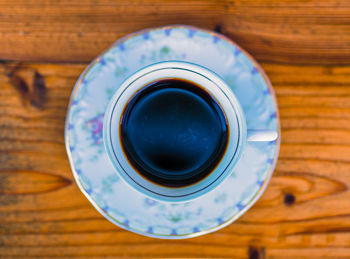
151 115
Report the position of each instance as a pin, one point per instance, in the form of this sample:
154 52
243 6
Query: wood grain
42 212
304 47
298 32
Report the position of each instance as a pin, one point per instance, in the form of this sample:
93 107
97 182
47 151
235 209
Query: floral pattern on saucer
98 179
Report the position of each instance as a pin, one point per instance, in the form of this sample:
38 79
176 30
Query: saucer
99 180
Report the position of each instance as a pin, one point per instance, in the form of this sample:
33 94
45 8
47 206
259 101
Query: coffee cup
175 130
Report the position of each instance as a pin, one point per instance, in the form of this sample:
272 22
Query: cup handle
261 135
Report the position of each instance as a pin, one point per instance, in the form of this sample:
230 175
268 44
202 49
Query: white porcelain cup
237 137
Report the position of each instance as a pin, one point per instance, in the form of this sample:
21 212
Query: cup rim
235 118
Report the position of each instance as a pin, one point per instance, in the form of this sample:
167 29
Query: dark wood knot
256 253
289 199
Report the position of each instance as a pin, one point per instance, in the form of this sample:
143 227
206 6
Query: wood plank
304 213
292 32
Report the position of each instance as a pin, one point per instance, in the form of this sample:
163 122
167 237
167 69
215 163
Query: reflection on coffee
173 132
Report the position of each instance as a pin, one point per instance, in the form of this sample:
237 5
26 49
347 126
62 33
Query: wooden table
304 47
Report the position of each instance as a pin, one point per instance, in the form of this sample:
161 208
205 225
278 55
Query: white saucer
99 181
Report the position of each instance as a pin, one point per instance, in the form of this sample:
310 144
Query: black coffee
173 132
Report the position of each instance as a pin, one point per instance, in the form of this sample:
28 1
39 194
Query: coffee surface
173 132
